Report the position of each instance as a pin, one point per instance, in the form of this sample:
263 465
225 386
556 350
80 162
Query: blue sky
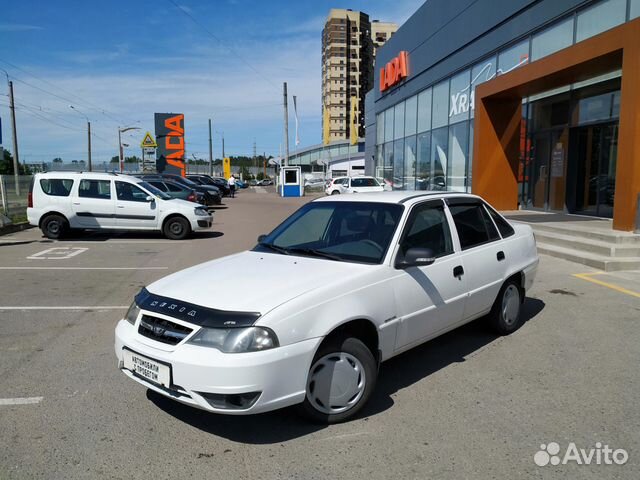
118 62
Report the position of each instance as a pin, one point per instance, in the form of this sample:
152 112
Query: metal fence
13 196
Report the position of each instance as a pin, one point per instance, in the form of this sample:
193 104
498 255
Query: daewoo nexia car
309 313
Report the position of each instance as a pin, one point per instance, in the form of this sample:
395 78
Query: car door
429 299
133 210
483 255
93 204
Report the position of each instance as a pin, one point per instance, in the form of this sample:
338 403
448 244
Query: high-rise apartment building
349 41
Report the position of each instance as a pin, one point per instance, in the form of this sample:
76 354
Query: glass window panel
388 125
482 72
410 116
552 39
387 173
440 115
470 162
513 57
634 9
460 97
398 121
380 128
424 110
600 17
379 167
423 164
615 110
410 155
458 151
398 164
439 141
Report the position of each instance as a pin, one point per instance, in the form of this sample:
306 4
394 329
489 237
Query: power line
212 35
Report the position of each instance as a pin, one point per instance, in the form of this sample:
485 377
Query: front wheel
176 228
340 381
505 314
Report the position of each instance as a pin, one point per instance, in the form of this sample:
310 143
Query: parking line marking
587 277
20 401
84 268
73 307
57 253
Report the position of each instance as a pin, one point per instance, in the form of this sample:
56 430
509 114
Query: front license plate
148 368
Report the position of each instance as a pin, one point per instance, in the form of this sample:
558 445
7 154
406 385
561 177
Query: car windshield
158 193
345 231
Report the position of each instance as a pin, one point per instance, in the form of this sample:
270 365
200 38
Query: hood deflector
188 312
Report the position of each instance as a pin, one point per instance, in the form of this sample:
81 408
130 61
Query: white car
359 184
343 284
62 201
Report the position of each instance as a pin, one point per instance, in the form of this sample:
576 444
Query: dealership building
530 104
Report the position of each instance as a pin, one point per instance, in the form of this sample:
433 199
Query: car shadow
398 373
126 235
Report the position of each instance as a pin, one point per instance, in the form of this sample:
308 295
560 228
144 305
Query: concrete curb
17 227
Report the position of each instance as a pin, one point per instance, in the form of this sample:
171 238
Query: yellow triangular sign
148 141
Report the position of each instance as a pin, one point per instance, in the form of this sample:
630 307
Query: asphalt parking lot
466 405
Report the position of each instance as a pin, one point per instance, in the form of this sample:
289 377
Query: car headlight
201 212
132 313
236 340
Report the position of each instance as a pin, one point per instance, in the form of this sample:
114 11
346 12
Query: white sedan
359 184
343 284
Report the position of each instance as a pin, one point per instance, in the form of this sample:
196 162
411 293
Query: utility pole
89 144
255 158
264 163
210 151
16 161
223 156
286 127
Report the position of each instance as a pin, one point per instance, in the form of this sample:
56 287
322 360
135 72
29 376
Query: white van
61 201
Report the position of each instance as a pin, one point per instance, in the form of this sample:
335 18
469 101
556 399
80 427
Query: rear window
57 187
364 182
506 230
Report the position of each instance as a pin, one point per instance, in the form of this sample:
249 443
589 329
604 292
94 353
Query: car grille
162 330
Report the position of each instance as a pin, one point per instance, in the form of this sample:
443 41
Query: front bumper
279 374
201 222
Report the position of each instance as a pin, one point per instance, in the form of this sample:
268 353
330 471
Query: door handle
458 271
120 206
500 255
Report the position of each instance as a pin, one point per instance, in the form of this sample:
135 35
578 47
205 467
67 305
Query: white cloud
17 27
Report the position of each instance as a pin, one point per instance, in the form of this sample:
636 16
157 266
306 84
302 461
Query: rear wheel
335 192
54 226
341 378
505 315
176 228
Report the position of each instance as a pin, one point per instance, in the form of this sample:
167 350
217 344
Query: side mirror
416 257
261 238
150 198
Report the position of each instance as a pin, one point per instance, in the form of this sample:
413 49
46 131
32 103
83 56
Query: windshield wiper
275 248
316 253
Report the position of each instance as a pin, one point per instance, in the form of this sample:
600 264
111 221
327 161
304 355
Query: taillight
191 197
30 200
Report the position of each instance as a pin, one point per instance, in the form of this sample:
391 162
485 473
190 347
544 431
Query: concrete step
580 231
588 245
603 262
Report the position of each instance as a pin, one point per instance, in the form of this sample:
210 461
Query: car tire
176 228
335 192
505 316
356 366
54 226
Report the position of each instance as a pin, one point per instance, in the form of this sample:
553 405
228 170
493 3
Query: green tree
6 165
115 159
57 160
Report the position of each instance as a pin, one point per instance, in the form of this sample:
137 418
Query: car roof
91 175
399 197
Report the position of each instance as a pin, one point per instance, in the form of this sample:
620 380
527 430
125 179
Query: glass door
548 170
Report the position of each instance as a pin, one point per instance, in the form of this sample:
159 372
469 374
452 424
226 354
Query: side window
95 189
358 182
57 187
159 185
173 188
428 228
473 224
128 192
506 230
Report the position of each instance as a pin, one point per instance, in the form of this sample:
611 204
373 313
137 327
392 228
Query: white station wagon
359 184
341 285
63 201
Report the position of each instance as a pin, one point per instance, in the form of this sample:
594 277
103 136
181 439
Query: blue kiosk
291 183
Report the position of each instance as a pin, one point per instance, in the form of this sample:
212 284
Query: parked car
220 183
344 284
359 184
313 182
265 182
241 184
212 195
177 190
253 183
62 201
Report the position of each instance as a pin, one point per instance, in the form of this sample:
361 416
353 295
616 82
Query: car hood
253 281
180 203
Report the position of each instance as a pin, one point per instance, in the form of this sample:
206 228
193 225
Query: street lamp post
88 136
120 150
